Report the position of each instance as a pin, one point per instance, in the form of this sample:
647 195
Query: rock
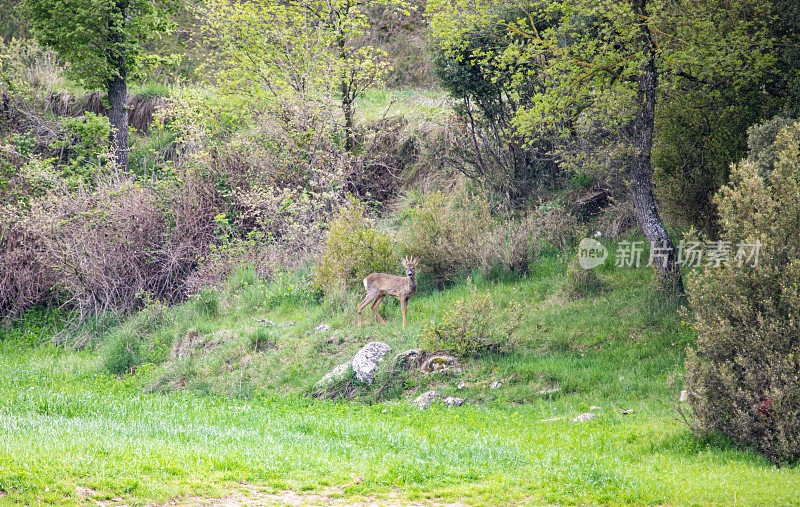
365 362
627 411
684 397
594 408
496 385
337 373
438 363
452 401
424 400
407 359
461 385
322 328
583 417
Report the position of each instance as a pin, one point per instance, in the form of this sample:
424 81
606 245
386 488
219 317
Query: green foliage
93 35
121 353
28 70
31 328
352 251
470 327
743 374
86 141
263 338
580 282
207 301
313 52
449 235
493 83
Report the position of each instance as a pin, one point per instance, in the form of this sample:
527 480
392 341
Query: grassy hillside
75 432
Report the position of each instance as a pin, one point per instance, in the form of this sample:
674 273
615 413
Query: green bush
743 377
581 282
468 328
352 251
448 235
121 353
207 302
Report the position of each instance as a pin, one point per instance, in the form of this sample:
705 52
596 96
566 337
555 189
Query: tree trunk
118 117
118 85
641 171
347 110
347 100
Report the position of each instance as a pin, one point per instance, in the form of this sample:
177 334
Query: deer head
410 263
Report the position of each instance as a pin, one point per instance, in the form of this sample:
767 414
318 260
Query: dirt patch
254 495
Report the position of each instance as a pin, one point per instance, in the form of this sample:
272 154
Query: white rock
684 397
439 363
424 400
583 417
461 385
365 362
322 328
594 408
407 359
337 373
496 385
452 401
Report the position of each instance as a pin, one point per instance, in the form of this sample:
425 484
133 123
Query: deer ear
404 262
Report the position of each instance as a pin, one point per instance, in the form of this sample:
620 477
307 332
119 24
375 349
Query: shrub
484 70
101 248
352 251
581 282
468 329
744 374
121 353
448 234
511 246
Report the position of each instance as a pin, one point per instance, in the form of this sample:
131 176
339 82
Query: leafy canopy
97 37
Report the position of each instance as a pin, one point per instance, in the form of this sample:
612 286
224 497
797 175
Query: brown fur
380 285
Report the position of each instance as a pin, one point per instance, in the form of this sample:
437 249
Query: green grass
200 426
415 105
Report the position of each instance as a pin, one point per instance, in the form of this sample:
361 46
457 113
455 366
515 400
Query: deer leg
404 306
370 297
375 311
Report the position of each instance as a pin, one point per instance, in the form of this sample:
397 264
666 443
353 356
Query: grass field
201 427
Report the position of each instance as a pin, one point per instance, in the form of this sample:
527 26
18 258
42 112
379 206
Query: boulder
364 365
365 362
424 400
439 363
452 401
335 374
407 359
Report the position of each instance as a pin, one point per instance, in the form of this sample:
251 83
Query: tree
300 51
607 63
102 40
743 376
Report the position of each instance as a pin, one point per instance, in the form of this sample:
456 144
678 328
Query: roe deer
380 285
